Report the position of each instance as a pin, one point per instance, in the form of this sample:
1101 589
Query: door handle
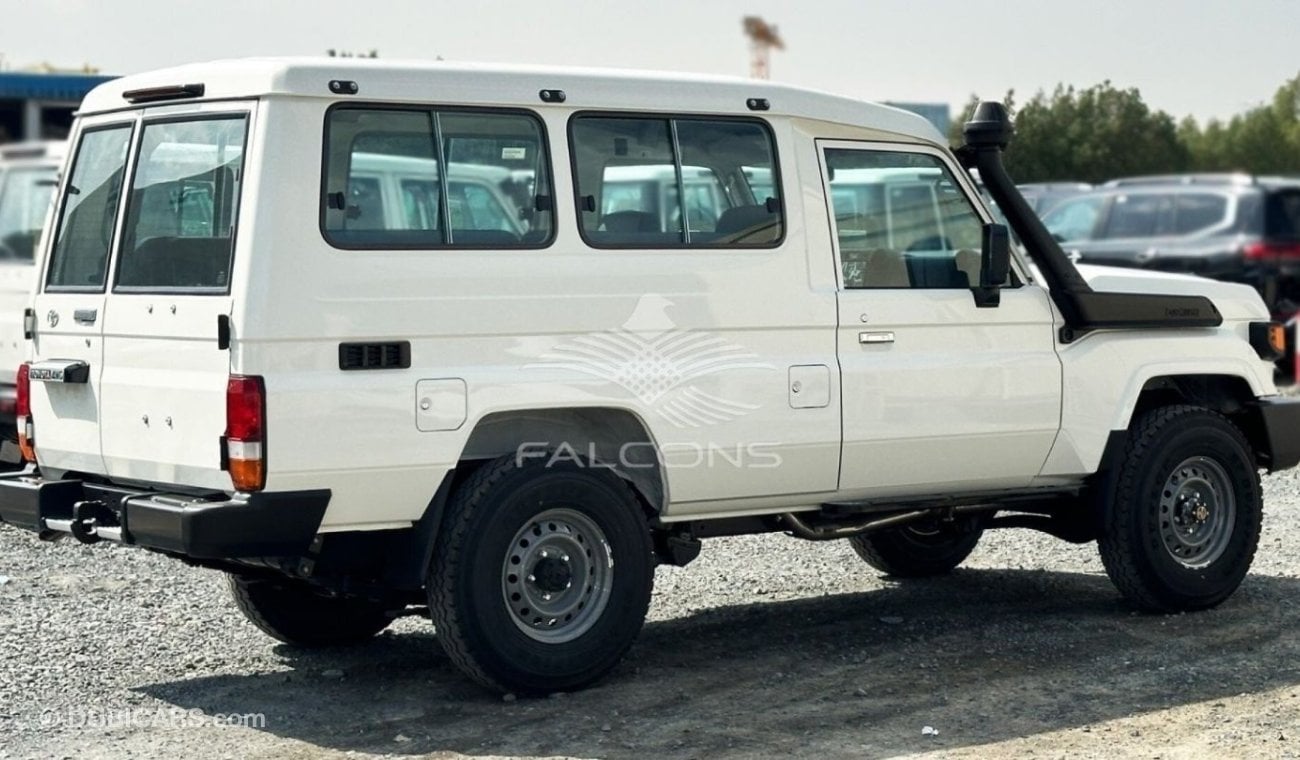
85 316
875 337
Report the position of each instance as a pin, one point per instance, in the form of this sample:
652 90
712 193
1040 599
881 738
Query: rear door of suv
67 318
163 385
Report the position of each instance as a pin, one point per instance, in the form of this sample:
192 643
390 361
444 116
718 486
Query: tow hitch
92 521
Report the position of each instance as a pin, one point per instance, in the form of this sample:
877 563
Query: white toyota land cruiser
273 338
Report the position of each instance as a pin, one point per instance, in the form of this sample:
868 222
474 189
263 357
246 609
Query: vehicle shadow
982 655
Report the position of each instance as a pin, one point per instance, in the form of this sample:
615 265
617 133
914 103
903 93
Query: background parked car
28 175
1042 196
1229 227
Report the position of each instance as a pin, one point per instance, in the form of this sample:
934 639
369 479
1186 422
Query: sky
1205 58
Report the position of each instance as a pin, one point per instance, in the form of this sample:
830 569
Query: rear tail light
245 438
1264 250
23 413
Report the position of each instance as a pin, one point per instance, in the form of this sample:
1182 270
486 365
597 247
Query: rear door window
181 215
89 214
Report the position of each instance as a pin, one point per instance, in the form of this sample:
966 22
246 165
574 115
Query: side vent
375 355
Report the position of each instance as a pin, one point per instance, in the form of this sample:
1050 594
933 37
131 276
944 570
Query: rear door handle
875 337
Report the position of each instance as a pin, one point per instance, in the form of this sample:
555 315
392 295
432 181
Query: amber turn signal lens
1268 339
247 474
1277 338
26 445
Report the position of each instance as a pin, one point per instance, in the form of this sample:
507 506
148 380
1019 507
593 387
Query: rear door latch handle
875 337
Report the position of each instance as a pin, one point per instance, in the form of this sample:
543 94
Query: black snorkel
986 136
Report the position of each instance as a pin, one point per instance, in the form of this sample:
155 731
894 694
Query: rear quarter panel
491 318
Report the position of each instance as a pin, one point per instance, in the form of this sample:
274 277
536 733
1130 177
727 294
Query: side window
89 214
181 215
902 221
669 183
385 188
1141 215
1197 211
1074 220
24 198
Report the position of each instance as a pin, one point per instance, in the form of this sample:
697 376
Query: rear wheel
1182 513
297 614
920 550
542 575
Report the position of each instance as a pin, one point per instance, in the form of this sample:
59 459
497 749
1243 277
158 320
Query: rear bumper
256 525
1280 419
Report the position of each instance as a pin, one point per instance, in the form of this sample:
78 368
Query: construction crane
762 38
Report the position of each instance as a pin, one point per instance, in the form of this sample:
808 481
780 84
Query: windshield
24 198
1074 220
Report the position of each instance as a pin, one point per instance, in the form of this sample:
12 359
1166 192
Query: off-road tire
296 614
917 552
1136 509
477 620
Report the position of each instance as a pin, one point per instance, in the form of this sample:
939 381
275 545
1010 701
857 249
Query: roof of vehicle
1201 180
47 151
1226 189
1052 187
501 85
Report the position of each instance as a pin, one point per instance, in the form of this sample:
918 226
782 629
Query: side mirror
995 265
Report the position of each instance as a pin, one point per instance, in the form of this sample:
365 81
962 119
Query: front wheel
1182 511
541 576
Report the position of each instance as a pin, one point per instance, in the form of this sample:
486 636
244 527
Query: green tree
1091 135
1263 140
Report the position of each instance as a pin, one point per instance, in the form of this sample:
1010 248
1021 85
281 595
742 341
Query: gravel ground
766 646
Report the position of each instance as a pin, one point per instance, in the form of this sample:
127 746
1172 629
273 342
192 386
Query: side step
1022 500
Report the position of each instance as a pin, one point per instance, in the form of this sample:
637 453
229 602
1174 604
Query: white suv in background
28 175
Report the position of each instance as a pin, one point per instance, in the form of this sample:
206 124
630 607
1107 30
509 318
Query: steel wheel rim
1197 512
557 576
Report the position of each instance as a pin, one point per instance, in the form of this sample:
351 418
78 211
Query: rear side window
384 186
1194 212
24 198
180 218
1282 214
648 182
89 214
